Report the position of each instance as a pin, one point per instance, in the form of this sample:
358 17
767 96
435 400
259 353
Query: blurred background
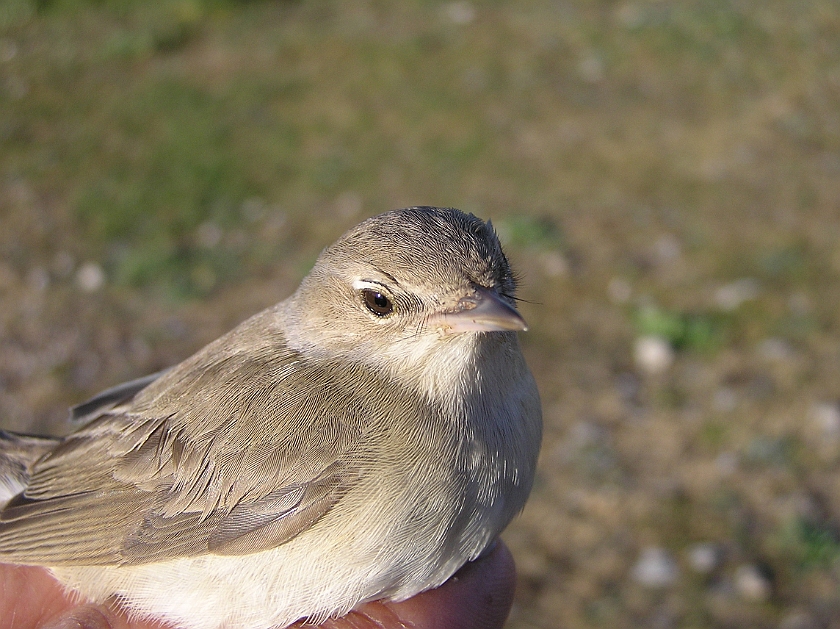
665 176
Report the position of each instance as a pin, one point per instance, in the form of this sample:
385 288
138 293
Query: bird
362 439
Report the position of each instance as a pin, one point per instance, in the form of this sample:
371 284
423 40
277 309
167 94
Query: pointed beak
483 311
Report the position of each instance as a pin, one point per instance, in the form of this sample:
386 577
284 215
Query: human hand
478 596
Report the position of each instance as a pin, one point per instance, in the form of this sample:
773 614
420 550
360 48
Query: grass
683 331
202 152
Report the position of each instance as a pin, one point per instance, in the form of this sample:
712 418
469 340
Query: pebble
591 68
460 12
653 354
798 619
704 558
751 584
253 209
826 418
730 296
668 249
725 400
630 15
208 235
775 350
90 277
655 568
554 264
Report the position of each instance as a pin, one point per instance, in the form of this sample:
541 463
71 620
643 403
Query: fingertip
30 595
36 600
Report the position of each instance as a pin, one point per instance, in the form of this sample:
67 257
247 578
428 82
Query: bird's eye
377 302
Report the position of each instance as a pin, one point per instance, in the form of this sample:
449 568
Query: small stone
591 68
584 434
90 277
253 209
555 264
826 418
208 235
724 400
275 221
798 619
653 354
751 584
730 296
460 12
704 558
727 463
775 350
630 15
655 568
668 248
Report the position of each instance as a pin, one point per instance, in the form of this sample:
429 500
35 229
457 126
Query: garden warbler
360 440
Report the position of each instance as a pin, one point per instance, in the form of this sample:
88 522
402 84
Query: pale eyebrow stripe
358 284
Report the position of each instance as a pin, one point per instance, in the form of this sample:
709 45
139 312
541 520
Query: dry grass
641 159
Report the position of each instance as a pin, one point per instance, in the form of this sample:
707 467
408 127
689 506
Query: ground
665 177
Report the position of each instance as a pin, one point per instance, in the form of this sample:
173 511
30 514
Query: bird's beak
483 311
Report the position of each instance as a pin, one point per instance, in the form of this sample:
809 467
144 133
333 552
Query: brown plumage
362 439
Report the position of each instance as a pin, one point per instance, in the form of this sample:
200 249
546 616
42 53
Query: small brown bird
362 439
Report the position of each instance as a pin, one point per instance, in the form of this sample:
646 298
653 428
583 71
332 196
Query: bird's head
405 289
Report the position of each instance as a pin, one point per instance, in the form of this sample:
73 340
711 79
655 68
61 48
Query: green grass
202 152
810 545
703 332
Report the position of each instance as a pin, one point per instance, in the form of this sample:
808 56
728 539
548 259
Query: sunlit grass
664 169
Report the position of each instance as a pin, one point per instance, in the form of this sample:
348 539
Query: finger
31 598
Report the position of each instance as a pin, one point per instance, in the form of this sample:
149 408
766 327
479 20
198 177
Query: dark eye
376 302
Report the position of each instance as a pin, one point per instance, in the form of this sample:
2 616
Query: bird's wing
109 398
17 453
236 450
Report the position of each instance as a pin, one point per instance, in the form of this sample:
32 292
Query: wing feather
109 398
224 453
